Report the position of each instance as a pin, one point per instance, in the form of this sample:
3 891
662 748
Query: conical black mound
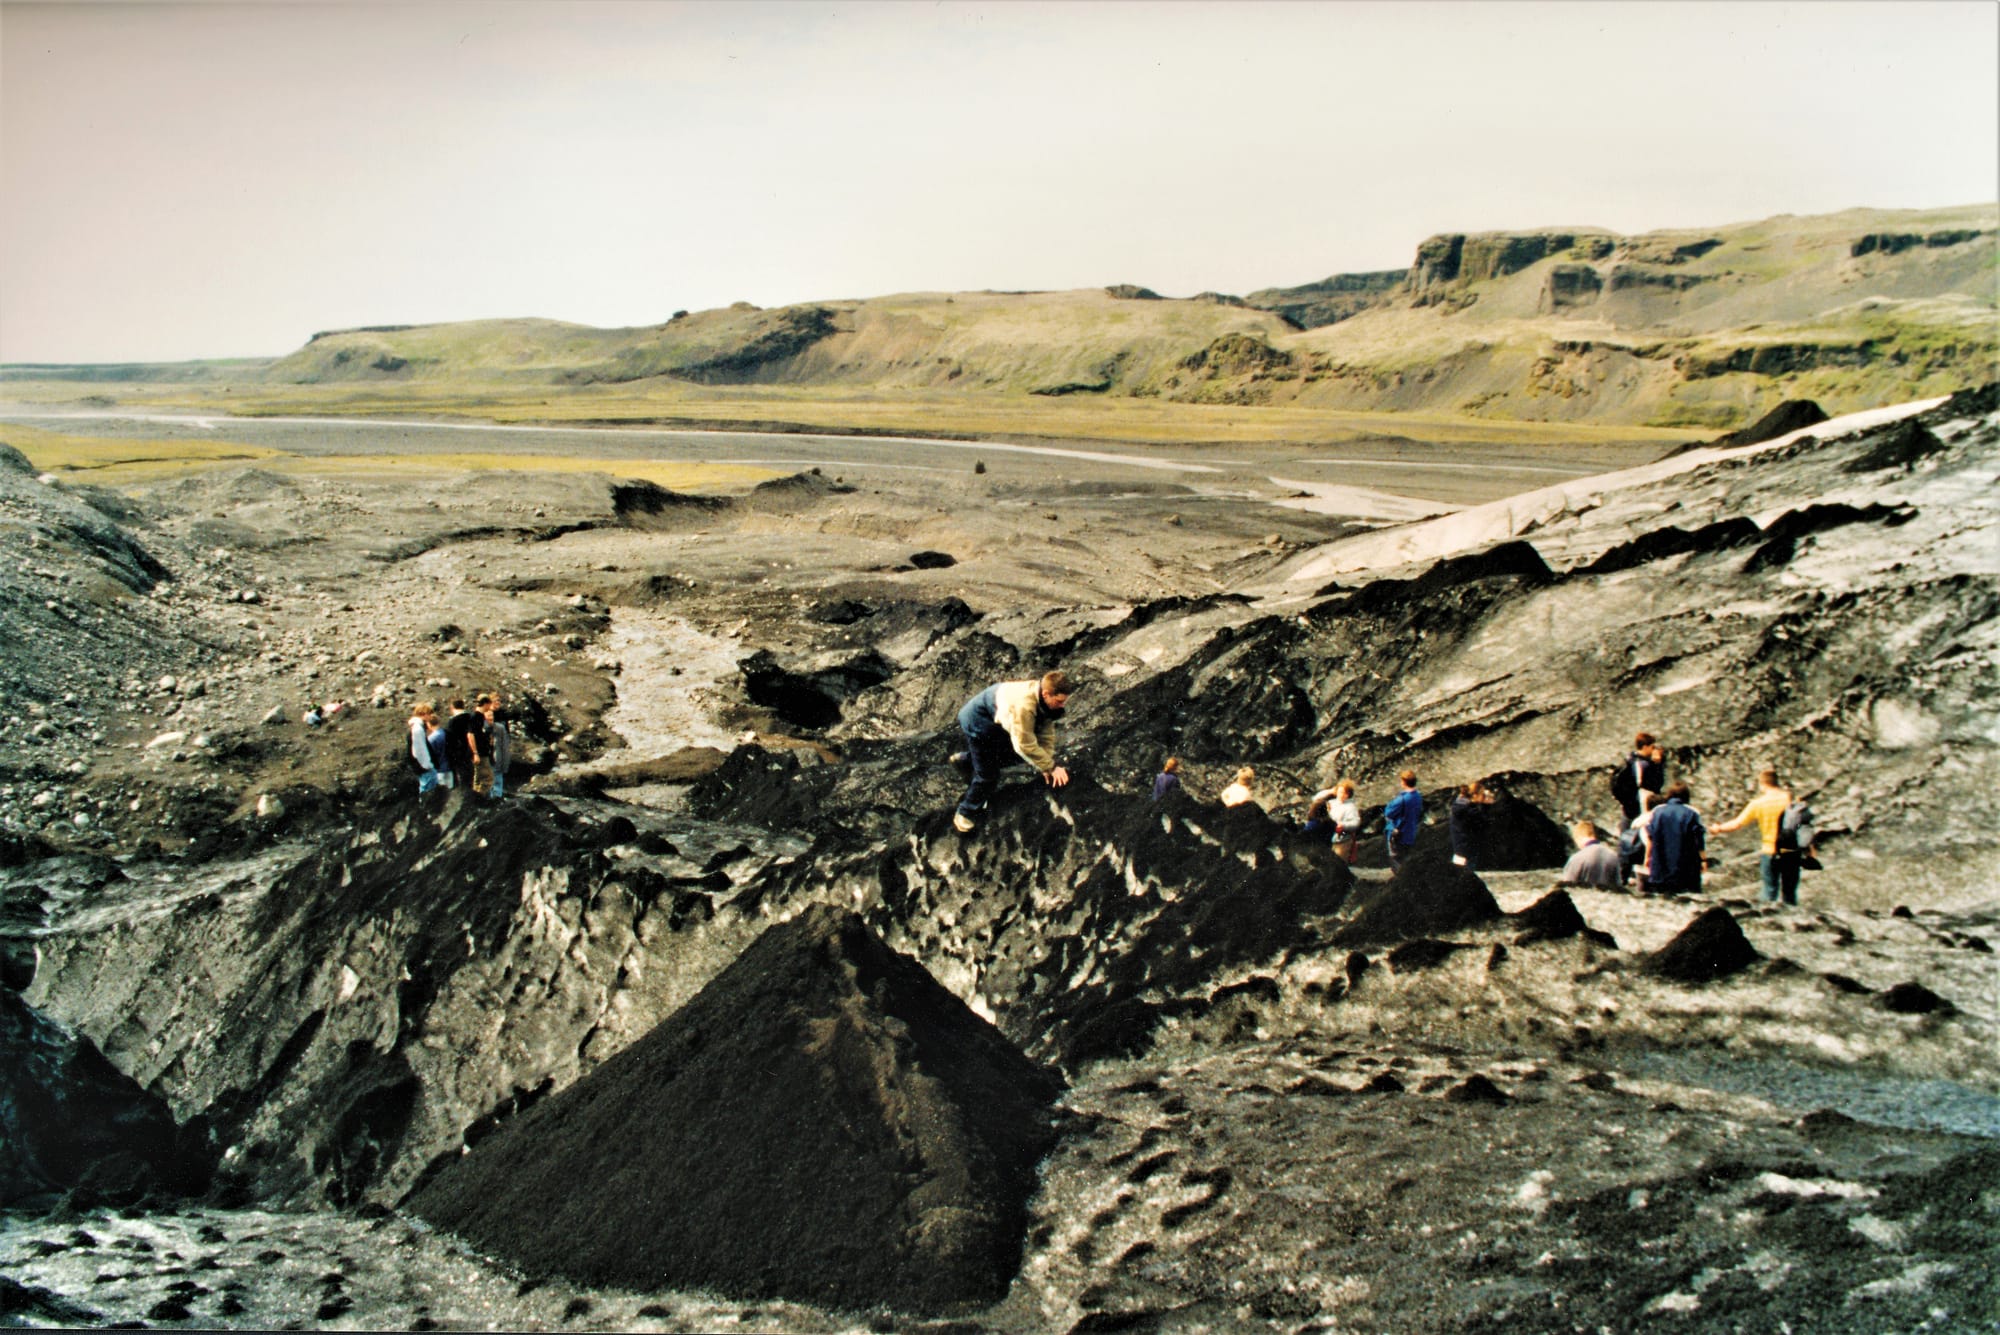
1553 917
1710 947
824 1122
1789 416
1430 896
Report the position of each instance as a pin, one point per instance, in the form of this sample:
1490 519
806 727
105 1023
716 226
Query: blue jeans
989 749
499 788
989 752
1778 878
427 781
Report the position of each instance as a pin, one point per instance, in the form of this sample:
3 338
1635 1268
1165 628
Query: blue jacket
1403 817
1678 839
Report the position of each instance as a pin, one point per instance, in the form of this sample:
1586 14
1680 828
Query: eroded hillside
1704 328
1295 1090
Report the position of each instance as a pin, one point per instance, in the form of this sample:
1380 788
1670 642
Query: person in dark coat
1006 720
1168 779
464 742
1644 772
1676 845
1469 813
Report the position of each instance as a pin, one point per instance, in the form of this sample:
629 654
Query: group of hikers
1660 846
1661 843
470 749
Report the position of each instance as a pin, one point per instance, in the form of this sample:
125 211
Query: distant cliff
1330 300
1701 328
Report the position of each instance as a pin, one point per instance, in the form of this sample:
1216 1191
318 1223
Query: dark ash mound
647 506
811 699
1430 896
1711 947
1905 447
1517 559
1512 834
1660 543
822 1122
1915 999
1554 917
1789 416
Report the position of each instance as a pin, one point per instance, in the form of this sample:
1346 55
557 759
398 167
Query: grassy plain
945 413
116 462
119 462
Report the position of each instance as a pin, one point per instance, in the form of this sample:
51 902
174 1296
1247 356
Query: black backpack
1625 786
408 756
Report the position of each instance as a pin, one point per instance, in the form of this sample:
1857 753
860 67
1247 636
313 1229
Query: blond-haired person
423 718
1777 869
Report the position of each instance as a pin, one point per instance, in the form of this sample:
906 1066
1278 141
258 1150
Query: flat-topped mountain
1702 327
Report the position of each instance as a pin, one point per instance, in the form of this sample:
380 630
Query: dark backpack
1795 829
1625 786
406 755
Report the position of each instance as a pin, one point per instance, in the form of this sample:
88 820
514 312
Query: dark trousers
989 750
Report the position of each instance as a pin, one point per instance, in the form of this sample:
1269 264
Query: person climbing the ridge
1402 818
1006 719
1168 779
1238 792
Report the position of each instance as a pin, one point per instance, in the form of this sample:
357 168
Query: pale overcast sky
181 181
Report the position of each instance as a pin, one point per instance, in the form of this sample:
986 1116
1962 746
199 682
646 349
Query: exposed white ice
1514 516
1328 498
1780 1185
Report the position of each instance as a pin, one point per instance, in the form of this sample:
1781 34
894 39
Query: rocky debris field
172 642
1282 1093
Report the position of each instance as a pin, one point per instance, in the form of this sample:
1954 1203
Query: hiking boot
961 822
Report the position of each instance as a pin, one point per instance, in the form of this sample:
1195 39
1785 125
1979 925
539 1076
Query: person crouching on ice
1006 719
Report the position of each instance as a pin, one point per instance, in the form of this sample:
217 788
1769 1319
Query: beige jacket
1014 705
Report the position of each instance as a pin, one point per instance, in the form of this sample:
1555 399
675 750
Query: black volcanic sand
823 1122
391 979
